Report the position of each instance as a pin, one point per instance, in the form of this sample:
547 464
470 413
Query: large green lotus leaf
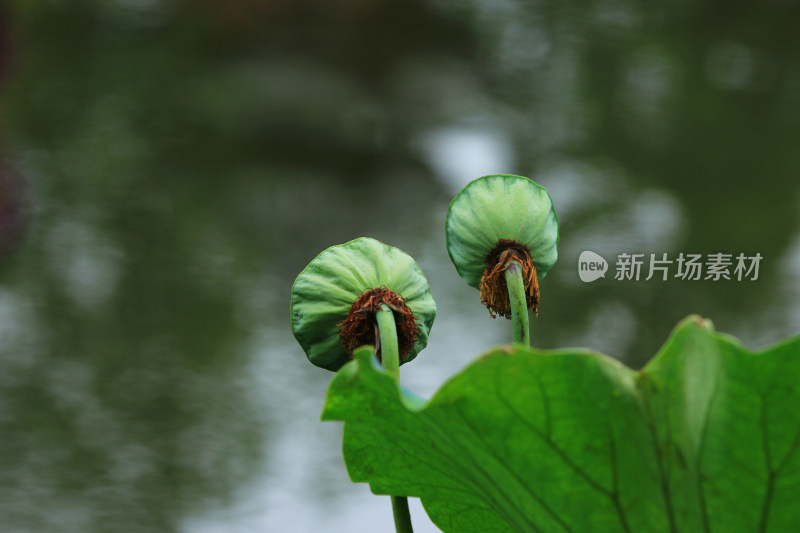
704 439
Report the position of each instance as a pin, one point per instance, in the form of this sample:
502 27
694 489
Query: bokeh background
167 167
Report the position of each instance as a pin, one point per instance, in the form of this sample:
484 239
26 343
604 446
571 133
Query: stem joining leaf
390 359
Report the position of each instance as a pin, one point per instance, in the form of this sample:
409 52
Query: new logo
591 266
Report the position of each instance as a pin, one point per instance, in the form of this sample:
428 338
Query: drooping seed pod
334 300
497 218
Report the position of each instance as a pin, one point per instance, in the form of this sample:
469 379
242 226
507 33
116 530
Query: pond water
168 168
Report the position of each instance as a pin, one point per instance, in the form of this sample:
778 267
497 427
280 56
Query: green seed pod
495 219
334 300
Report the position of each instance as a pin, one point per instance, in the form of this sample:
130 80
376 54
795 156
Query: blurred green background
167 167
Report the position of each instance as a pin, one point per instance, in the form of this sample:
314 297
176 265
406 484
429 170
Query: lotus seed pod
497 218
334 300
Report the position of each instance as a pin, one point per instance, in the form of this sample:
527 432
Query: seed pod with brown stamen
335 298
497 218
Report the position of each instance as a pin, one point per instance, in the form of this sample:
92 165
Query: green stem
519 303
402 517
390 354
390 359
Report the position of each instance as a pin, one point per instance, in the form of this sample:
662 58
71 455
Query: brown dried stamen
494 291
361 327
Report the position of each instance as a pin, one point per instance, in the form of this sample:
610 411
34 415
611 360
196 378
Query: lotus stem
402 517
390 359
519 305
390 353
